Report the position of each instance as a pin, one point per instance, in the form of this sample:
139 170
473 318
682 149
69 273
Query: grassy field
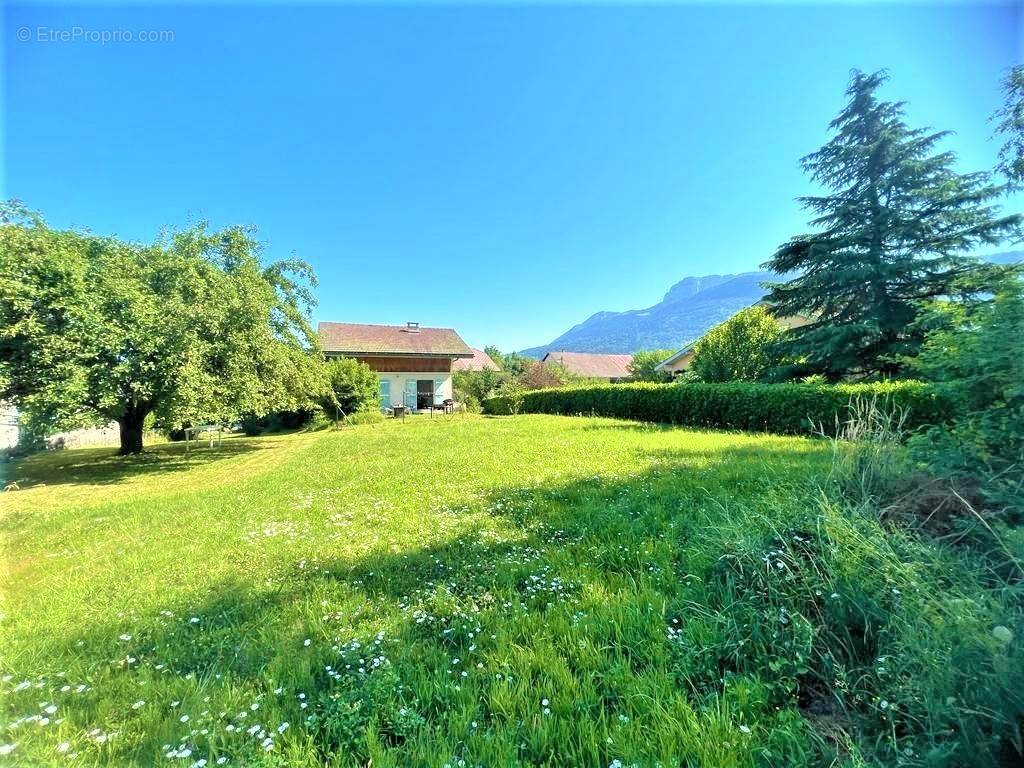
450 592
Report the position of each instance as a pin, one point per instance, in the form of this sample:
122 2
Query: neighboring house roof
591 365
477 362
409 339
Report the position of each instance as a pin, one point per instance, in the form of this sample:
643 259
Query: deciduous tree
192 329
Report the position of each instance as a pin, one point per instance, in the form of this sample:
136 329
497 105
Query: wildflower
183 719
126 638
6 749
138 704
221 760
306 642
282 727
744 729
52 709
63 747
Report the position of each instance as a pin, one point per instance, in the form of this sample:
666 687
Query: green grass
533 590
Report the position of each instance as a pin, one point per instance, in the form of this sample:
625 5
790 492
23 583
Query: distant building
414 364
678 363
590 365
477 362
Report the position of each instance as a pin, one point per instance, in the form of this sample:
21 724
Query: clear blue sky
505 170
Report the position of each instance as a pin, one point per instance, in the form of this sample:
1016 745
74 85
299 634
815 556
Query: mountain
690 308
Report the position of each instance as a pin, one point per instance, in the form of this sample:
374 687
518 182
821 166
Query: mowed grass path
499 591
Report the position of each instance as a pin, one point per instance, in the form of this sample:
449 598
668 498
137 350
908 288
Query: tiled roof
477 362
360 339
592 365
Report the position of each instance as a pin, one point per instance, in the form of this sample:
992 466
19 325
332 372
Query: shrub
976 353
475 385
782 408
512 395
644 363
354 385
743 348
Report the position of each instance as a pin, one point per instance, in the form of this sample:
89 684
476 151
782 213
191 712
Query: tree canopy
193 328
743 348
1010 128
354 386
889 231
642 367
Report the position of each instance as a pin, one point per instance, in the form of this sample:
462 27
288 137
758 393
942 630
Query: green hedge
781 408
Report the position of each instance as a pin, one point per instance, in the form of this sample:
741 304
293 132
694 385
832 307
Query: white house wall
398 381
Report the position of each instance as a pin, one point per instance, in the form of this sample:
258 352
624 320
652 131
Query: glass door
424 393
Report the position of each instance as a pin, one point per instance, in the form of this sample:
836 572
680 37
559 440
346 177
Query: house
477 362
679 363
414 364
590 365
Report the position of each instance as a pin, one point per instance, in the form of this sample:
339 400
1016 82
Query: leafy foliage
780 408
1010 126
192 329
888 236
743 348
975 351
473 387
642 367
354 386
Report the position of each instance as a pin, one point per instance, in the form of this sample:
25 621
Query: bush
743 348
354 386
476 385
781 408
976 353
645 362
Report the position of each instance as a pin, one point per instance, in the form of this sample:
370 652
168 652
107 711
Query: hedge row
780 408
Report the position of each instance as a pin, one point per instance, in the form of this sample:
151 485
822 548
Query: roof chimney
412 327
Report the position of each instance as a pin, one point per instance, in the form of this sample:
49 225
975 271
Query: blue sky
505 170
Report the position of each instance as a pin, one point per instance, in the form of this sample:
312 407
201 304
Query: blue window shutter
410 393
438 384
385 393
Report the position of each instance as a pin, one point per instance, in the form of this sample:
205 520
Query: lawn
532 590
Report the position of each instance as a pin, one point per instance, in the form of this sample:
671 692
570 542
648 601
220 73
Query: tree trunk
130 425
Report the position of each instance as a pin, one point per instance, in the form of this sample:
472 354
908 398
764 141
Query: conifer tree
891 231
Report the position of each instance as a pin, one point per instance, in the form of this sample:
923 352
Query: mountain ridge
689 308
